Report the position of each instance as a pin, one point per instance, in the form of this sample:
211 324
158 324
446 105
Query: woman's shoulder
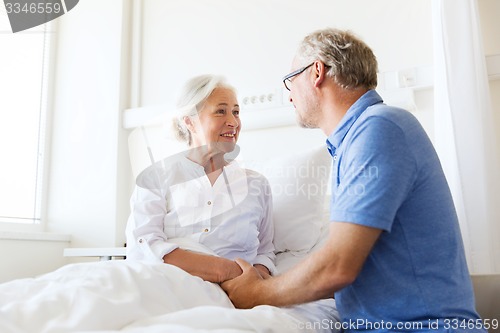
256 176
253 173
160 171
237 168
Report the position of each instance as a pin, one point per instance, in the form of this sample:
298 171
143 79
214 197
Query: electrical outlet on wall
265 100
407 78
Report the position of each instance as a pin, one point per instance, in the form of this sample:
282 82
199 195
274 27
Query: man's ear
319 70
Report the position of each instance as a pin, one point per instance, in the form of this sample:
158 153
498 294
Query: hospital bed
126 296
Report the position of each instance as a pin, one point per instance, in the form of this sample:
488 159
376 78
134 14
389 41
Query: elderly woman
201 195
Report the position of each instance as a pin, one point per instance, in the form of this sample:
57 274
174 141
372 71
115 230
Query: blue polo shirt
387 175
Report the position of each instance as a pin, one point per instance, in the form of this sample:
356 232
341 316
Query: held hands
232 271
263 271
244 289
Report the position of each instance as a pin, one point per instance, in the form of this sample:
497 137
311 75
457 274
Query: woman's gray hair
351 62
191 100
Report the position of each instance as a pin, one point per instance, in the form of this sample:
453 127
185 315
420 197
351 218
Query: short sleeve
375 173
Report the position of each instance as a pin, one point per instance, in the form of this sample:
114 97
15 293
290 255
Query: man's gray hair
351 62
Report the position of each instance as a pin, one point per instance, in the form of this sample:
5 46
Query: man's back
389 177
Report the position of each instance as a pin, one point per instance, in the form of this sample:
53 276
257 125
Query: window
23 101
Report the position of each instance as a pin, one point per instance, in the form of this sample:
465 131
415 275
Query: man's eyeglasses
287 79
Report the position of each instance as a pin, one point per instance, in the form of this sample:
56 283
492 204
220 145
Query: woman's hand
263 271
208 267
232 270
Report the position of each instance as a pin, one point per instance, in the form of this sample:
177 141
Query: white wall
490 25
253 42
22 258
89 165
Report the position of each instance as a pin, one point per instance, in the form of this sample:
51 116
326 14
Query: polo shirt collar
371 97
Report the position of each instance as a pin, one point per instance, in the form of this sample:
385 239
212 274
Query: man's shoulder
384 120
390 113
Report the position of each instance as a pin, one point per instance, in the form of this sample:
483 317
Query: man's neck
336 106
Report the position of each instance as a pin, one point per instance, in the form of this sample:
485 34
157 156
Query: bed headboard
294 160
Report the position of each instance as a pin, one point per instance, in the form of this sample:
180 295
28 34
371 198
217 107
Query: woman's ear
188 121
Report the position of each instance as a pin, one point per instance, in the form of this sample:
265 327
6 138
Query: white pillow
300 186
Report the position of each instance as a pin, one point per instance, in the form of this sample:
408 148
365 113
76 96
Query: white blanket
128 296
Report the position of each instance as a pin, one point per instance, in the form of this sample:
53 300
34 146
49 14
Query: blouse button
141 240
209 203
206 230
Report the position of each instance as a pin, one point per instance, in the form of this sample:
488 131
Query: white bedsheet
127 296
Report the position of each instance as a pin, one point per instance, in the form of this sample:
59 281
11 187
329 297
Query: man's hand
244 289
331 268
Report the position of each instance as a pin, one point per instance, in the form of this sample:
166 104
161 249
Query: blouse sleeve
146 239
265 252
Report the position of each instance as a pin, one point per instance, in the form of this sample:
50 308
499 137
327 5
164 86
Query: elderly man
394 257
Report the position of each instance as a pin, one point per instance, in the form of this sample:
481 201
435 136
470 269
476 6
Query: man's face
302 95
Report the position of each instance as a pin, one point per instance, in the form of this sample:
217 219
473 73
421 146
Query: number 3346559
33 8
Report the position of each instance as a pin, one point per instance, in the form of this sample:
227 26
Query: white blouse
175 199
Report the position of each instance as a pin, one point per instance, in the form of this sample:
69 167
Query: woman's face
218 123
